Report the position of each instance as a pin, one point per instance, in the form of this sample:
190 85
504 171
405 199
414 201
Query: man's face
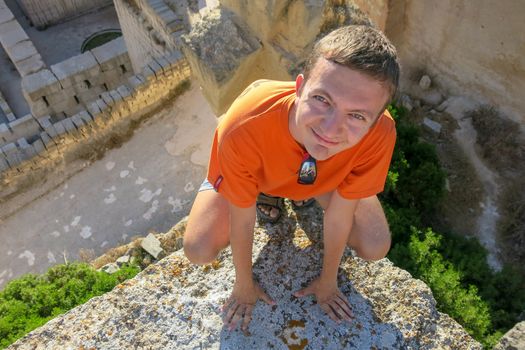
334 108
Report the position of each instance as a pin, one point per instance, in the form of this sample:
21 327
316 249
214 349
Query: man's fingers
329 311
236 316
345 306
247 317
266 298
338 311
231 311
303 292
227 303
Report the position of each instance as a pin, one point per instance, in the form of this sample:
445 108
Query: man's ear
299 84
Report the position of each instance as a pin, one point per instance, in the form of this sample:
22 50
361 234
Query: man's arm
338 220
245 291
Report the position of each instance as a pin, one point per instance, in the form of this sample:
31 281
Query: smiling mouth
324 142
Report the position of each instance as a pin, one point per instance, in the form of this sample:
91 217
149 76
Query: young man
327 136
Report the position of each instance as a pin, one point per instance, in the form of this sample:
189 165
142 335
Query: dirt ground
502 148
460 208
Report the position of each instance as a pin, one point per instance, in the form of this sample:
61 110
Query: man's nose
332 123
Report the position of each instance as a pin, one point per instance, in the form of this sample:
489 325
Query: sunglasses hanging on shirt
307 170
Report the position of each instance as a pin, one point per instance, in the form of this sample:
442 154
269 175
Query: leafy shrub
31 300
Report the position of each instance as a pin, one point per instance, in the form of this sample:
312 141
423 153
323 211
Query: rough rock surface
176 305
513 339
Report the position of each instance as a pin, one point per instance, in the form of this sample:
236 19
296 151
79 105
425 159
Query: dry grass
498 139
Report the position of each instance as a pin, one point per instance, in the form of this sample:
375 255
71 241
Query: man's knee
199 253
376 247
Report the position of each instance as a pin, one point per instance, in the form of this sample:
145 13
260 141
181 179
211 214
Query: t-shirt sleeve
368 176
230 173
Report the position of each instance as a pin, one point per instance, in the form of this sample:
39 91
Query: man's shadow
288 262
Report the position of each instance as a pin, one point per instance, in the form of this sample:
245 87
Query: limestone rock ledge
176 305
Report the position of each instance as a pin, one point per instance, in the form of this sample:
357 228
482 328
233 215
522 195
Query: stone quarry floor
145 185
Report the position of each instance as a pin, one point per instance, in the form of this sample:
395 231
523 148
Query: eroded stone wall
66 87
150 28
17 44
27 160
472 48
242 40
43 13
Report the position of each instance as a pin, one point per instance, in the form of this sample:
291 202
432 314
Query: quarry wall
150 28
43 13
471 48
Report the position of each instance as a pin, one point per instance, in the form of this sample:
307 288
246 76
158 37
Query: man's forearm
338 220
335 239
242 222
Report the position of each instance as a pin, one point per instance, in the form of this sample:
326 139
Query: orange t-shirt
253 151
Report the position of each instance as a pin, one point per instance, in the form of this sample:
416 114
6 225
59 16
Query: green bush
31 300
485 302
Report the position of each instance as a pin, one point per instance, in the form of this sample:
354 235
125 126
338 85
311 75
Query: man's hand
329 298
241 303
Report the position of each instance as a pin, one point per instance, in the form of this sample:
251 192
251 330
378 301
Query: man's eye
320 98
357 116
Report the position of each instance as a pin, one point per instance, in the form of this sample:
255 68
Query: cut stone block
124 91
11 33
33 84
13 155
106 97
151 245
93 108
39 107
135 81
30 65
22 142
68 69
174 57
432 125
106 53
25 126
156 68
60 128
48 142
20 51
148 73
44 121
51 131
77 121
39 147
86 117
5 13
5 133
4 165
115 96
70 127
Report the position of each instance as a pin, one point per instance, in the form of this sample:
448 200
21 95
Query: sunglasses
307 171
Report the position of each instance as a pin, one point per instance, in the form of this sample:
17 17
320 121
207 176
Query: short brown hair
361 48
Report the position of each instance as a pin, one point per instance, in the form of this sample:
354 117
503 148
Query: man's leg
370 235
208 228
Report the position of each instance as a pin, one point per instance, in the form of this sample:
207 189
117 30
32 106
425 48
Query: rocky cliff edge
175 305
